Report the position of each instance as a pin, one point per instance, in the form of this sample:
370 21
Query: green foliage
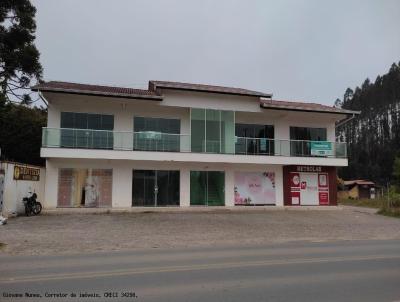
396 173
21 131
391 206
364 202
19 57
373 137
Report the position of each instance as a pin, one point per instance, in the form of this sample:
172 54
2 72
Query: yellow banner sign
26 173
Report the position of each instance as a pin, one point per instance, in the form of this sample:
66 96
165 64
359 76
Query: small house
357 189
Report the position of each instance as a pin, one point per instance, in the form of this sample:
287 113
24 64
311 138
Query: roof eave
274 107
95 93
213 91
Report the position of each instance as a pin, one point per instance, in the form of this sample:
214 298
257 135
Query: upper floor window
308 134
157 134
93 121
162 125
87 130
212 131
254 139
301 137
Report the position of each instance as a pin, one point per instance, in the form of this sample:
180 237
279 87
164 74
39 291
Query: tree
373 137
21 132
19 57
396 173
338 103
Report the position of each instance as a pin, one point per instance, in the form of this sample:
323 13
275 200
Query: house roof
153 93
87 89
303 106
358 182
153 85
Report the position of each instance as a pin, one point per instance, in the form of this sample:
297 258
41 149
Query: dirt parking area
76 233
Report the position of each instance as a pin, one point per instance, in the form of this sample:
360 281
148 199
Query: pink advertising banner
254 188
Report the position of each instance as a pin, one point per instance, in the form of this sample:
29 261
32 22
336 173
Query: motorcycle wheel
37 208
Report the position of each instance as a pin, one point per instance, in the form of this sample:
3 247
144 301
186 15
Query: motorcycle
32 206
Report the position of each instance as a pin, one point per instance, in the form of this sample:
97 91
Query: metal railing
167 142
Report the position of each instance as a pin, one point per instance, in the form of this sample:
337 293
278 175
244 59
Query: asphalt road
300 271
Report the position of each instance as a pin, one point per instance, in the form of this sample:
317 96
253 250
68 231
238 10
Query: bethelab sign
321 148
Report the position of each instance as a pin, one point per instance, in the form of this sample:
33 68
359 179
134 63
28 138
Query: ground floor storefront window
255 188
207 188
153 188
84 188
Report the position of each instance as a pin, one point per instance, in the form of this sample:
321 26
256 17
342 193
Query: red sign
294 180
323 198
303 185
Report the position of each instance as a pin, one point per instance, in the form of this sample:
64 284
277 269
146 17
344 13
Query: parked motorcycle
32 206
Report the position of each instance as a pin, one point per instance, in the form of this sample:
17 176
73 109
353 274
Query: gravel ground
76 233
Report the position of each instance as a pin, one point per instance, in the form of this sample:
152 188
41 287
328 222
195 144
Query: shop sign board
321 148
26 173
309 188
254 188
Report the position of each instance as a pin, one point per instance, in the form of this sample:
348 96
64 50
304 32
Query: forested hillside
374 136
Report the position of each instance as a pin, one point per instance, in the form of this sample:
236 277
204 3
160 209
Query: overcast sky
298 50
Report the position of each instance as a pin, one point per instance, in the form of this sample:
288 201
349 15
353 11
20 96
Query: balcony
166 142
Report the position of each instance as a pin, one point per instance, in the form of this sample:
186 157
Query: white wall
190 157
177 104
15 190
189 99
283 120
122 177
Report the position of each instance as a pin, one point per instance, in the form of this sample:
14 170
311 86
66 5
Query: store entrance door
152 188
207 188
309 189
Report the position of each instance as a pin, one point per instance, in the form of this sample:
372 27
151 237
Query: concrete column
184 195
122 186
282 136
229 187
331 135
279 185
51 186
123 125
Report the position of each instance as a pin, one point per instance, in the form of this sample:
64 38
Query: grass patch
368 203
393 212
2 245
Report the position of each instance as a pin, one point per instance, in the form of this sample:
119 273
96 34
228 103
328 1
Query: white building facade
180 144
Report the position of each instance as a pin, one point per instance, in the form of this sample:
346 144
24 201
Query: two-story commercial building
180 144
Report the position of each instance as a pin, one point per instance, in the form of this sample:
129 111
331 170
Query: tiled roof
303 106
153 85
55 86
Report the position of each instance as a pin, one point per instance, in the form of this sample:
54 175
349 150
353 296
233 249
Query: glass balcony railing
167 142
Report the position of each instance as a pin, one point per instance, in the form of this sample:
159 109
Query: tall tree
20 125
19 57
374 136
396 173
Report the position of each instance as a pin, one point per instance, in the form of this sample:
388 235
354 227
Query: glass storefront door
153 188
207 188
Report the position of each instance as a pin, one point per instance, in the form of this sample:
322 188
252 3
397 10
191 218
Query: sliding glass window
74 132
301 137
254 139
212 131
156 134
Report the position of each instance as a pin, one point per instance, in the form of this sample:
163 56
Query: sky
304 50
